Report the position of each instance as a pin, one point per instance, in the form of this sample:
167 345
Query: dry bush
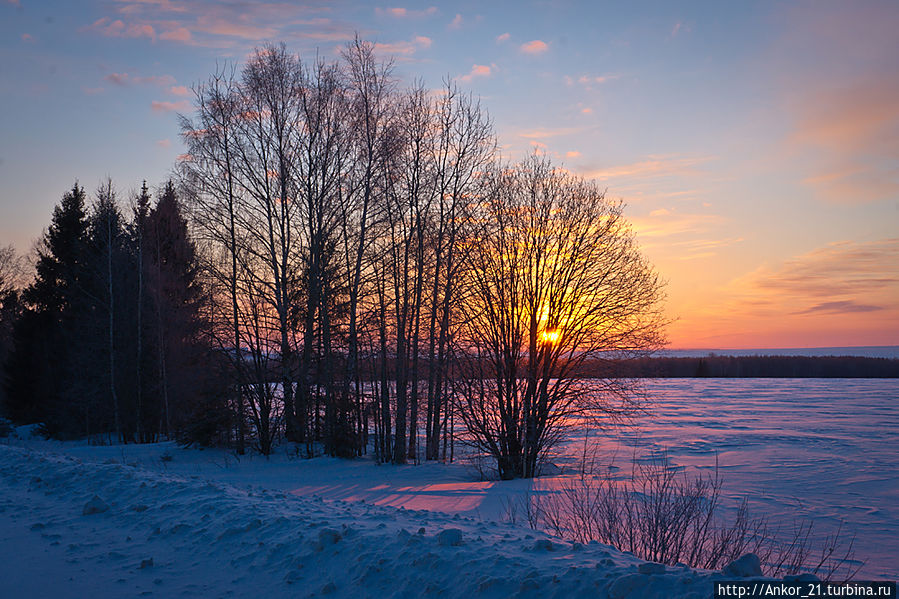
661 514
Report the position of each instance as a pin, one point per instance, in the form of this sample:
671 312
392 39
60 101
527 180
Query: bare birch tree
554 278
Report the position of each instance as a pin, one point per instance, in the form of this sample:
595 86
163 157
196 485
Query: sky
755 144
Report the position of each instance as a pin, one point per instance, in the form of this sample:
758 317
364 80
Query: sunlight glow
550 337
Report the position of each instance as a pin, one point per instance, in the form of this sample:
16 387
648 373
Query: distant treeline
747 367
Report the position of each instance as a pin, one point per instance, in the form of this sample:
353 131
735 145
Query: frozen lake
824 449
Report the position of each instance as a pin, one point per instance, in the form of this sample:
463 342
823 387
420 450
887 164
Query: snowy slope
169 535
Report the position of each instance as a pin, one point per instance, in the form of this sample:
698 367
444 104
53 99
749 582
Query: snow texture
170 535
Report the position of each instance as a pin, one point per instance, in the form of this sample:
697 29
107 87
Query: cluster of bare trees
375 272
330 206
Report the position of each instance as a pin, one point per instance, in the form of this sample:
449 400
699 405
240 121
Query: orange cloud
534 47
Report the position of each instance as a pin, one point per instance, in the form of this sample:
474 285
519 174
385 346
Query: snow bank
168 535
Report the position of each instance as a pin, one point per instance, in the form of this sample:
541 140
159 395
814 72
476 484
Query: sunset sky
755 144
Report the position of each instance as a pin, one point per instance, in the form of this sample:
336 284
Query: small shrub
662 515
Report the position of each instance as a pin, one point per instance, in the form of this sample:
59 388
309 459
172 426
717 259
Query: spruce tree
189 408
44 338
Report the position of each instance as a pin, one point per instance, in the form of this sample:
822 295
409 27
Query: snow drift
74 529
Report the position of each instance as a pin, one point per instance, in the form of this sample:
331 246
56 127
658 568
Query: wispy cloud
179 90
534 47
456 23
177 34
164 143
843 268
840 307
843 97
679 28
123 80
546 132
504 37
118 28
854 130
844 278
225 25
653 166
117 78
403 13
164 106
405 48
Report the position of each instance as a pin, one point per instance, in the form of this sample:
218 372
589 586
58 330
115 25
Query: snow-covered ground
215 525
822 450
86 523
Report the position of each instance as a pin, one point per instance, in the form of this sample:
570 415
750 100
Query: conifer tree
41 362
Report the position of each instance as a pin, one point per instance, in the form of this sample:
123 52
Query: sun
550 337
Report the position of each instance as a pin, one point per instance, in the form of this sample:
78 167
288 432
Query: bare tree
465 146
553 278
370 90
271 124
209 176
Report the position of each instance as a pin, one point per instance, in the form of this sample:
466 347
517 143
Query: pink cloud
477 70
573 154
164 143
242 28
118 28
844 276
653 166
544 132
502 38
160 80
409 48
534 47
852 130
456 23
26 37
179 106
402 13
179 34
117 78
179 90
124 79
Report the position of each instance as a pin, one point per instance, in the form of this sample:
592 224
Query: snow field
168 535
